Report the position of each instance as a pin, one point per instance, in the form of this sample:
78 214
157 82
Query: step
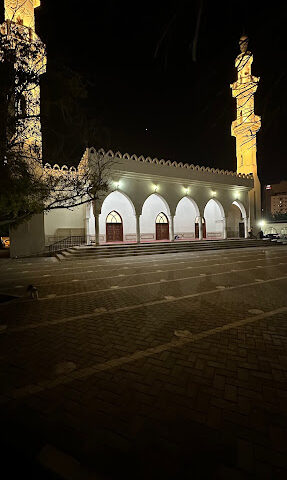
172 246
110 251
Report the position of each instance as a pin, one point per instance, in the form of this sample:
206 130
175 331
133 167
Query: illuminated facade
247 124
149 199
155 200
18 35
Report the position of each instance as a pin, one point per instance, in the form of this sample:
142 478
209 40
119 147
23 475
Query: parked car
272 236
5 242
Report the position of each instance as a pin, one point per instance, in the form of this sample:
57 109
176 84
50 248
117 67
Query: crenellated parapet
166 163
56 170
83 165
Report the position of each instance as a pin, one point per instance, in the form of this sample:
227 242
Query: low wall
275 227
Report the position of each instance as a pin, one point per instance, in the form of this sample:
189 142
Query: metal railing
67 242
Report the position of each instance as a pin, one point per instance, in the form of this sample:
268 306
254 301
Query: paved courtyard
162 366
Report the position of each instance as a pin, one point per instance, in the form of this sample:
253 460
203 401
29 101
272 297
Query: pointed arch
154 205
236 220
185 218
153 195
114 217
214 215
161 218
241 208
120 203
122 193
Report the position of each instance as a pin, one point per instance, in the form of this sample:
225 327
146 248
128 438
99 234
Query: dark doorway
241 230
203 229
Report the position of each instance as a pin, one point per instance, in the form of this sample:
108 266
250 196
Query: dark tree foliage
26 188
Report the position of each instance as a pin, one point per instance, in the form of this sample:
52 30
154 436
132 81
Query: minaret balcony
248 127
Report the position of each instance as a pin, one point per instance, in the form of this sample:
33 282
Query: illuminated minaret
247 124
18 36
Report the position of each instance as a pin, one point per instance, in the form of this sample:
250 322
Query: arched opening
185 219
114 227
162 227
236 222
117 205
152 207
203 226
214 219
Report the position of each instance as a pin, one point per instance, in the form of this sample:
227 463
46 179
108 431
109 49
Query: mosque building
149 199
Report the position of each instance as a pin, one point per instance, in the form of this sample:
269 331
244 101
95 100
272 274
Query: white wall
28 238
121 204
65 222
213 220
184 220
153 205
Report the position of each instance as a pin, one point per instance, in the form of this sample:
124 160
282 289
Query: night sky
151 96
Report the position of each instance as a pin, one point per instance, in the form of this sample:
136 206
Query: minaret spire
19 37
21 12
247 124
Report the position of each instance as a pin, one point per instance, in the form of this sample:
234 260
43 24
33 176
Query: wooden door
162 231
204 230
114 232
197 230
241 230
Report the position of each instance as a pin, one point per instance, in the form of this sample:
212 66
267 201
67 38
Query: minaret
29 57
246 125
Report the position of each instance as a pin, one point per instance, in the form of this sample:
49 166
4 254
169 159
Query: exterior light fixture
186 191
155 188
261 223
213 193
117 185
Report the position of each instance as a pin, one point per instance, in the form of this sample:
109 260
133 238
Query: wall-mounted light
213 193
186 191
236 195
155 187
117 185
261 223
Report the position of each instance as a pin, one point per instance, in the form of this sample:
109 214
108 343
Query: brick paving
164 366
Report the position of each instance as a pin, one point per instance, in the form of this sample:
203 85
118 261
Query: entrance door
114 227
162 227
241 230
203 228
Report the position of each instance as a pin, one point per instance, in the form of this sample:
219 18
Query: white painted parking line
137 306
146 263
155 282
185 339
